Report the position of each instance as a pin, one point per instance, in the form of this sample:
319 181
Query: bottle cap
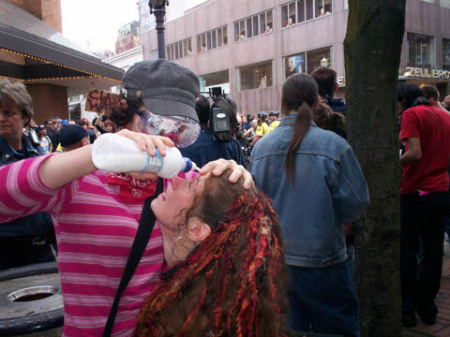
189 165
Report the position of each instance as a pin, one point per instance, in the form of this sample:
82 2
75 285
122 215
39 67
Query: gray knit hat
166 88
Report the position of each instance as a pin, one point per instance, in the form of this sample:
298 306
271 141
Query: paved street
442 326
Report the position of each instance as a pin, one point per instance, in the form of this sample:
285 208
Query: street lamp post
158 7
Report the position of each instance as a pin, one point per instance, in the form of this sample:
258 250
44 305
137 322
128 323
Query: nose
178 182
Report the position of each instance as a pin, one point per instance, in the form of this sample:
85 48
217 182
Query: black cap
261 114
166 88
71 135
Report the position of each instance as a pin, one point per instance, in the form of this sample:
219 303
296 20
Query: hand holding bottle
127 152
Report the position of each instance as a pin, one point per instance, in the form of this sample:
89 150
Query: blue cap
188 165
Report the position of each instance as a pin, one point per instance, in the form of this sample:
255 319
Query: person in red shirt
425 130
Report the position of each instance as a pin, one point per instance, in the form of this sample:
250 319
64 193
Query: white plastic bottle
115 153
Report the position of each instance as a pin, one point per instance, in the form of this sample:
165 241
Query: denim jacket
329 188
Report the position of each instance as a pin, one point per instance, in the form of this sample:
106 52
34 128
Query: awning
33 52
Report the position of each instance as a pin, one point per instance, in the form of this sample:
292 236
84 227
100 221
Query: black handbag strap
146 223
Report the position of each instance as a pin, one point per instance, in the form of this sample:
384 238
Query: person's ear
197 230
85 141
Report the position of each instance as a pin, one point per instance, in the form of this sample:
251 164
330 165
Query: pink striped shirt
94 231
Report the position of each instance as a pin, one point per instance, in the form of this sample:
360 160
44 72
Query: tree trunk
372 57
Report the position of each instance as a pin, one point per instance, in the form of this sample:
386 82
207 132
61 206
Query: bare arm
63 168
414 152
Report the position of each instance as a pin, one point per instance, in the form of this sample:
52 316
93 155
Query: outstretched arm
63 168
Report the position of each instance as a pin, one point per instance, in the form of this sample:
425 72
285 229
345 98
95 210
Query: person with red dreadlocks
224 249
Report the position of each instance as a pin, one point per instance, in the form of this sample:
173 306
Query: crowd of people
258 243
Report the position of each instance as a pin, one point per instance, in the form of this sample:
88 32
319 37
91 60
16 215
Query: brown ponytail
299 95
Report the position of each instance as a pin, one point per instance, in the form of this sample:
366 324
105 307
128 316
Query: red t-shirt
432 126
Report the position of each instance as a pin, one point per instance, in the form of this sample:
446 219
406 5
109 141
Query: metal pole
158 7
160 15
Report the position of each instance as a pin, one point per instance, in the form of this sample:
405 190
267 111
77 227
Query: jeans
422 224
323 300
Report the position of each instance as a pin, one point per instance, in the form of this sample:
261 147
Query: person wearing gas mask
97 213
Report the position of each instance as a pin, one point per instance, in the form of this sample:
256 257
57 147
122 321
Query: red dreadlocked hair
234 283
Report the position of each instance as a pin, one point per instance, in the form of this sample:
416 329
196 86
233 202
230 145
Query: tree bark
372 50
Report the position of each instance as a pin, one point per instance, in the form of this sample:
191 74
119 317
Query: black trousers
422 231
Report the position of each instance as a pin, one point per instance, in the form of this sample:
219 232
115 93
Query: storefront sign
428 73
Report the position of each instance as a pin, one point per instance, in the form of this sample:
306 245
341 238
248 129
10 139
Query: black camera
219 120
215 93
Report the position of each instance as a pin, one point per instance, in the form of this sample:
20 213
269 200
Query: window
420 51
154 54
179 49
253 26
208 41
446 54
220 78
306 61
269 25
309 9
255 76
445 3
318 57
293 64
212 39
224 35
323 7
241 33
288 16
291 15
262 22
256 25
430 1
301 10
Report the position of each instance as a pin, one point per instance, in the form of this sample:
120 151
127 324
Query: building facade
250 47
34 51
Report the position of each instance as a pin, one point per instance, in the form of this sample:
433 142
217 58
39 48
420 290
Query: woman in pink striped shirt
96 214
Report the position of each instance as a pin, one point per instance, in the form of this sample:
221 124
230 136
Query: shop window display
255 76
420 50
318 57
446 54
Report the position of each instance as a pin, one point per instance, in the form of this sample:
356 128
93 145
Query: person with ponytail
316 184
225 263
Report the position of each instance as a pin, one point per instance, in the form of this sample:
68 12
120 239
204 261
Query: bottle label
153 164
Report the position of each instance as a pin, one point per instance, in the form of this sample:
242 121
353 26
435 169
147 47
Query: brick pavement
442 326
